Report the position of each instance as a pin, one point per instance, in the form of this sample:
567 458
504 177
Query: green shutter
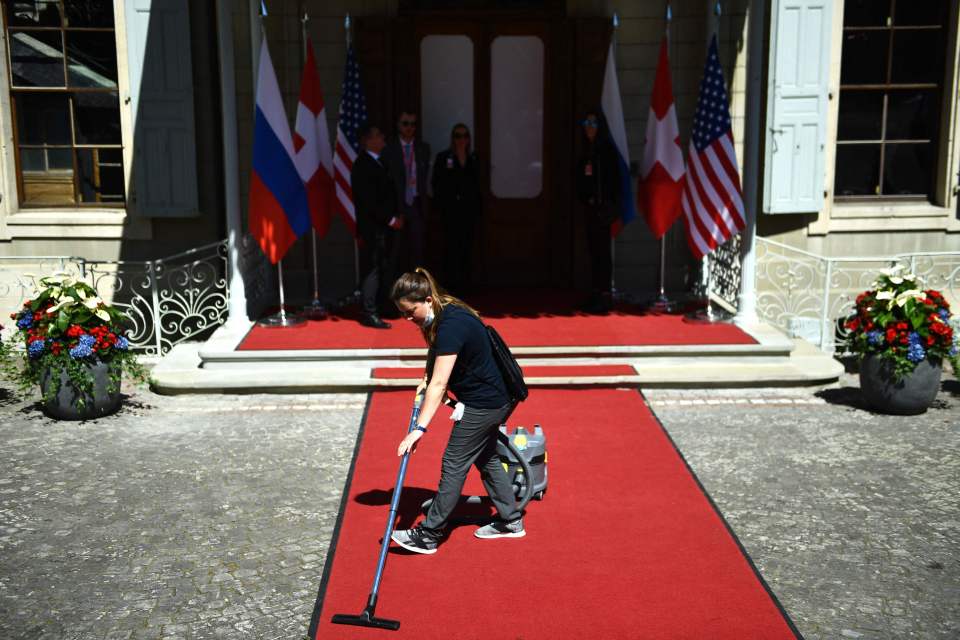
161 101
797 94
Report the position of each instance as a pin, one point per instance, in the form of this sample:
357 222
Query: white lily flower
895 279
102 314
884 295
92 303
912 294
67 301
892 271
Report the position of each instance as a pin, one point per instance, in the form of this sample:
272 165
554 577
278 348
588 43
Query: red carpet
533 321
625 544
530 371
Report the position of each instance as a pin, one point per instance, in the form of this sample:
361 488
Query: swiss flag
311 144
660 184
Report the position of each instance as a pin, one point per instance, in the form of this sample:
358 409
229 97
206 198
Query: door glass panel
36 58
38 13
42 118
92 59
446 81
516 116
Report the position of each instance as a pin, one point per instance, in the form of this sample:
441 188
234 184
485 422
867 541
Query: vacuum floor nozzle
366 619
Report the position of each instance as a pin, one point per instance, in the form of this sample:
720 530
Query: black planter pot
911 395
65 404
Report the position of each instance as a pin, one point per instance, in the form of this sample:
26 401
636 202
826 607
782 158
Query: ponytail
417 286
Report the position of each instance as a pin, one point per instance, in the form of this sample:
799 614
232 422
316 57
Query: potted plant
72 344
902 334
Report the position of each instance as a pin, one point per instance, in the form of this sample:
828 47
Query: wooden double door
519 83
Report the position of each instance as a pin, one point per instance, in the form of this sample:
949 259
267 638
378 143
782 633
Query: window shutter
798 85
161 101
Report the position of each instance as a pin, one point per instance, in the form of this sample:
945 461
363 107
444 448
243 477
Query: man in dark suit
408 161
375 203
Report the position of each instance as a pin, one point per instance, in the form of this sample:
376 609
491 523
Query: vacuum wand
366 617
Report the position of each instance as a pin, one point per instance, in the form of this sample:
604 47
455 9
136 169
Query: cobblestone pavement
210 516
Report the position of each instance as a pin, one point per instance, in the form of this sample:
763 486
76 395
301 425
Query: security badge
588 169
449 162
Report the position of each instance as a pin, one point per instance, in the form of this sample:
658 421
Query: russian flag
279 211
311 141
613 111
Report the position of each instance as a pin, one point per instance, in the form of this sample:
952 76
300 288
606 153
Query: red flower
853 324
901 326
930 341
904 339
56 348
74 331
870 325
891 335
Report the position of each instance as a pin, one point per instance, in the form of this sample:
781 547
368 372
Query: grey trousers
473 440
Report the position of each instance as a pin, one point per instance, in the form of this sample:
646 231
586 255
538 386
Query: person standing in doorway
457 194
408 161
598 190
375 202
460 359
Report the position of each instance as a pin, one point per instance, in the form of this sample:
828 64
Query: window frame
892 213
93 220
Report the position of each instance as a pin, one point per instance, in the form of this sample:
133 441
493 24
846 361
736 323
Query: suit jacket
393 157
374 198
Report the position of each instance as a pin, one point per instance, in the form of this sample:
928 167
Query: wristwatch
420 427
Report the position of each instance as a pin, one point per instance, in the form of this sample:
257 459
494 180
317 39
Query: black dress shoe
373 320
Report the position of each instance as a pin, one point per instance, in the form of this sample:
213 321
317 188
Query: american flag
712 201
353 113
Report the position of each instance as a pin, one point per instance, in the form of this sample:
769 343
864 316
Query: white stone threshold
774 361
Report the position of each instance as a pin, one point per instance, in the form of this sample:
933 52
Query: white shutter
161 101
797 90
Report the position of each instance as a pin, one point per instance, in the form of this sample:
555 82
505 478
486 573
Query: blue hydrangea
875 338
914 337
122 344
35 348
944 314
87 340
916 353
25 321
81 351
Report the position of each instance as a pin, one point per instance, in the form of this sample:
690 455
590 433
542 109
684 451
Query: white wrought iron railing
167 301
808 295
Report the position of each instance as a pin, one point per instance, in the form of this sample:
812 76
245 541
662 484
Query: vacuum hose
527 474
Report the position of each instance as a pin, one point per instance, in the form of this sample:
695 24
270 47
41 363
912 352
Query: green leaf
63 320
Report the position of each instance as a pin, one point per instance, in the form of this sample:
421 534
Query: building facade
113 138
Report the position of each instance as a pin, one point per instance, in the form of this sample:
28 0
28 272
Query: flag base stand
314 311
662 305
281 319
709 314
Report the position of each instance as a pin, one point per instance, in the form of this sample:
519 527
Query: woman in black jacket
457 195
460 359
598 183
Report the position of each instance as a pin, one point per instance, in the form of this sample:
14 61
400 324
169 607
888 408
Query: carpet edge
335 538
730 531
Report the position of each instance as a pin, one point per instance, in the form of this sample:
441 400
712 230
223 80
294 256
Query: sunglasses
461 136
408 123
590 122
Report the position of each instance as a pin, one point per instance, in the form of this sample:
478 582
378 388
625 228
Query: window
891 95
66 106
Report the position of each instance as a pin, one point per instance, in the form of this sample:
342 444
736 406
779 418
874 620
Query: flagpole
663 304
613 240
315 310
708 314
280 319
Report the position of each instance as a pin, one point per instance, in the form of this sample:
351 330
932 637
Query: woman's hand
409 443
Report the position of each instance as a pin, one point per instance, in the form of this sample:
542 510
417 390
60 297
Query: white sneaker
500 529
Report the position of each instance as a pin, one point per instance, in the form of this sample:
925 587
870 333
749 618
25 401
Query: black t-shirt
475 380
